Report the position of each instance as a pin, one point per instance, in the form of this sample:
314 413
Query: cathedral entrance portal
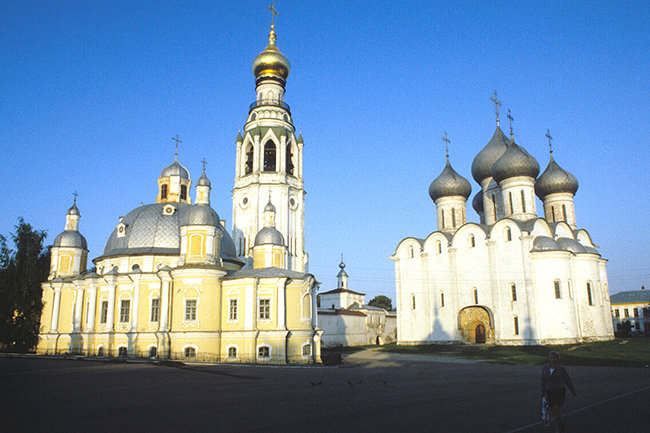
475 325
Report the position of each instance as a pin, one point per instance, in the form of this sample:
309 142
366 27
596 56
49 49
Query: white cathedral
512 279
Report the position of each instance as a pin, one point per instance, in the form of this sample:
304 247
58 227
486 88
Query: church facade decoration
173 283
514 278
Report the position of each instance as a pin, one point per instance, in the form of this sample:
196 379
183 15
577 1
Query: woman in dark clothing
554 377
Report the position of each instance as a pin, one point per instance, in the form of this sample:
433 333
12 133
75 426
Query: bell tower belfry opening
269 163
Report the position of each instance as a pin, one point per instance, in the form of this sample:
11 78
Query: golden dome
271 62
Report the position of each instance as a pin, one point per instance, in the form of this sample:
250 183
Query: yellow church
172 282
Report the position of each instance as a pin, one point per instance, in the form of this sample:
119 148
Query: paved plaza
370 391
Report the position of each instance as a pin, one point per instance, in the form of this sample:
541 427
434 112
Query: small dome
74 210
175 169
477 202
269 235
545 243
571 245
485 159
554 180
269 207
449 183
515 162
271 62
203 181
72 239
200 215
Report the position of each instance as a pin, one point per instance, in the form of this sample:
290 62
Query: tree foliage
381 301
21 272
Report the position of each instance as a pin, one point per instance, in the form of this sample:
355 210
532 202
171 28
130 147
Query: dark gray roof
266 272
175 169
515 162
631 297
70 238
485 159
545 243
555 179
449 183
200 214
571 245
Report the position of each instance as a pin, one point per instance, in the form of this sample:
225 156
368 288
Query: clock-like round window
293 203
244 203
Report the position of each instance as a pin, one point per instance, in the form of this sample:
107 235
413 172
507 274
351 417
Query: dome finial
75 198
177 140
446 140
204 162
550 146
341 265
274 12
511 119
497 104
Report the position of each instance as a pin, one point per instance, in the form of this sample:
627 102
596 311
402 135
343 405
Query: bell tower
269 163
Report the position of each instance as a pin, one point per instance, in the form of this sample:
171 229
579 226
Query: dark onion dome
203 181
269 235
485 159
271 62
477 202
515 162
150 230
175 169
70 238
555 179
200 215
449 183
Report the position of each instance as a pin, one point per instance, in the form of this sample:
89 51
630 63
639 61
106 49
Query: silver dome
203 181
545 243
449 183
269 207
74 210
485 159
70 238
515 162
175 169
200 214
571 245
555 179
269 235
477 202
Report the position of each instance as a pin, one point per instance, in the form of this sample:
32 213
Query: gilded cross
548 135
447 141
273 12
497 104
177 140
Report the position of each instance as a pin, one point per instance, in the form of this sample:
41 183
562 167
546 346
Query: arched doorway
475 325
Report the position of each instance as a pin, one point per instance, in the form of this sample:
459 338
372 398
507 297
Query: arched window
289 159
442 217
442 299
564 212
513 292
589 297
494 205
269 156
248 166
472 242
558 291
412 302
190 352
476 296
183 192
453 217
512 210
163 191
552 214
439 247
100 351
410 252
232 352
153 352
122 352
508 234
523 201
516 323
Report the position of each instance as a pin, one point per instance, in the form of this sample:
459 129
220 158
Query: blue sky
92 92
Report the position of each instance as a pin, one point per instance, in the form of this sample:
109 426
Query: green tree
21 272
381 301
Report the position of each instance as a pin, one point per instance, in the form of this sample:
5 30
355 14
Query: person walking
554 378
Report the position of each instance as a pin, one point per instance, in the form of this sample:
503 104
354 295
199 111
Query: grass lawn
623 352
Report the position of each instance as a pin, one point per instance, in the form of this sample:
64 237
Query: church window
190 352
289 159
183 192
589 298
453 217
265 309
472 242
190 309
100 351
269 156
248 165
626 313
122 352
439 247
163 191
636 312
153 351
558 293
232 309
513 292
523 201
516 323
103 312
125 308
232 352
494 205
442 217
306 350
476 296
570 290
510 200
264 352
617 314
412 302
442 299
552 214
564 212
155 310
508 234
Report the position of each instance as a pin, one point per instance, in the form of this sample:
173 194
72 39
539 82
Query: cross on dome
550 147
497 104
447 141
75 196
177 140
204 162
511 119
